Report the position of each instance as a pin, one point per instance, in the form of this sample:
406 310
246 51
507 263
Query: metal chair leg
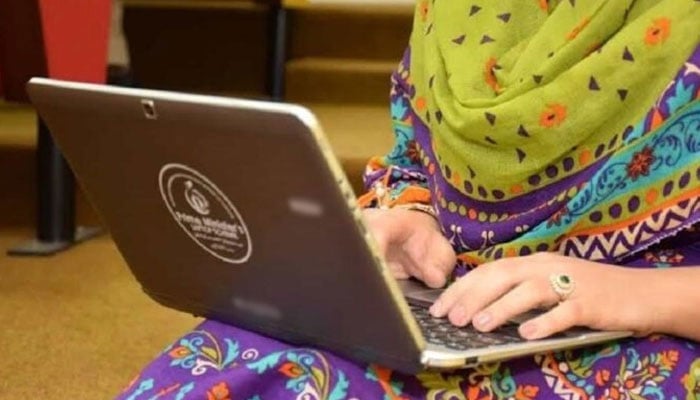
55 230
277 56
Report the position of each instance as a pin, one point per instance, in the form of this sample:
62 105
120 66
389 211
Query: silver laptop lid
228 209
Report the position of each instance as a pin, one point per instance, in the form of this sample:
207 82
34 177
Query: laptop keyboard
441 332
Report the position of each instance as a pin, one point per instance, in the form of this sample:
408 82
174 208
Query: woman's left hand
604 296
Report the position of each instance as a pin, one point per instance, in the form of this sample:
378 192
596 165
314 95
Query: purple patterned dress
217 361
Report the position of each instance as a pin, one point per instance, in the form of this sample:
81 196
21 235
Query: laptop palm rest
417 293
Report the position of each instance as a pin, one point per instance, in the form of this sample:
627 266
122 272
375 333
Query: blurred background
75 324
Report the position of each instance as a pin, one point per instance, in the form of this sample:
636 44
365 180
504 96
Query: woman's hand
412 244
604 296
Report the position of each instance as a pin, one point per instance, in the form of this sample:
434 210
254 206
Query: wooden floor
76 326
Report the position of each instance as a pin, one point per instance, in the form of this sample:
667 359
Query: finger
433 256
527 296
401 266
436 268
410 266
559 318
403 262
444 262
474 292
397 270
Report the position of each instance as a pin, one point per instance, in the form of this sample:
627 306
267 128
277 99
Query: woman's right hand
412 244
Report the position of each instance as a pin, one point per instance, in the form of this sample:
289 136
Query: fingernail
436 308
528 330
482 320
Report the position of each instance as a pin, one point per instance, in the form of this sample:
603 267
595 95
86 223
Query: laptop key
441 332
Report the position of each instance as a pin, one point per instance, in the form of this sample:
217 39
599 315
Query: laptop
238 211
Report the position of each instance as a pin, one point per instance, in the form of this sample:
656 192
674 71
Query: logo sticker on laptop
205 213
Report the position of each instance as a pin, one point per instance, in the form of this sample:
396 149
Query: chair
63 39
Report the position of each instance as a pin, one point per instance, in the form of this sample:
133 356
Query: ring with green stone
562 284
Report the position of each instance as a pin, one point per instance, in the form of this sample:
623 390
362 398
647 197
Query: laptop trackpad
417 293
